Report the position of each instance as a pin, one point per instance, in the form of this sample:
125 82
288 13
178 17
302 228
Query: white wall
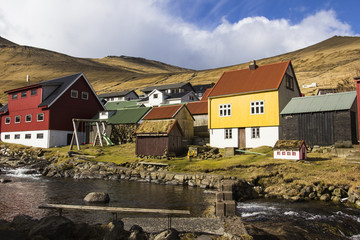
217 138
156 101
51 138
268 137
286 156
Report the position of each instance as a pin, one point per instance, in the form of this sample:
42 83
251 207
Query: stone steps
225 204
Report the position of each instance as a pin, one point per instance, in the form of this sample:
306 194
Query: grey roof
116 94
164 87
4 109
176 95
322 103
202 88
63 83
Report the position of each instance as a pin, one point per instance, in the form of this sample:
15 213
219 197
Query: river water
263 218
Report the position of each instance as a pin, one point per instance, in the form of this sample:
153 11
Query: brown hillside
328 63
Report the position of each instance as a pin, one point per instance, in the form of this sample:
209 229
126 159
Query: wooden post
75 135
99 132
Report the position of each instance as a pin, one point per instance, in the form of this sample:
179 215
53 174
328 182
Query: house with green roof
122 123
321 120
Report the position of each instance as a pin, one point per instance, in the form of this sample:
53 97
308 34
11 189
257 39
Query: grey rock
97 197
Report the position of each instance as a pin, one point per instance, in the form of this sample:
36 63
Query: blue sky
197 34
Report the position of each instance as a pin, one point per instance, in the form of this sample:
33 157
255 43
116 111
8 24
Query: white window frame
156 95
7 120
257 107
16 119
228 133
85 95
28 115
225 110
39 136
255 132
37 118
74 93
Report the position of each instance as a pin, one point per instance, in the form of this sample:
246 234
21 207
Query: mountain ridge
330 63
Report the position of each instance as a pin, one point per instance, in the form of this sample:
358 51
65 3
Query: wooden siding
321 128
186 123
157 145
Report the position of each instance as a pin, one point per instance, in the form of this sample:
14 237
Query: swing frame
75 136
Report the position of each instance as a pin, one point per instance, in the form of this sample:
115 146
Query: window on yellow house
224 110
255 132
228 133
257 107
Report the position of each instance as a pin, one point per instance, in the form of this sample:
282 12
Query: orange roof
206 94
163 112
265 77
196 108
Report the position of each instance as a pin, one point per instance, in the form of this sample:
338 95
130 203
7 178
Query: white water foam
23 173
291 213
355 237
355 218
253 214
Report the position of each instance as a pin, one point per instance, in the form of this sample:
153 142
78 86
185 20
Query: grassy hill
329 63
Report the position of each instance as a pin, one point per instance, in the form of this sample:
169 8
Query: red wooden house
41 114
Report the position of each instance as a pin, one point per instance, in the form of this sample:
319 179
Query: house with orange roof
244 105
199 111
179 112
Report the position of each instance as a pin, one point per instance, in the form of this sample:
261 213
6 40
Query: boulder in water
97 197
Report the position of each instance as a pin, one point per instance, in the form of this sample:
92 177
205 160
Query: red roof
163 112
265 77
197 108
206 94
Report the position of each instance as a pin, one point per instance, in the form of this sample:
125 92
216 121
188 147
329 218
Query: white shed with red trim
290 149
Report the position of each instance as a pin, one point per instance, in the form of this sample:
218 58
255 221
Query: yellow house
244 105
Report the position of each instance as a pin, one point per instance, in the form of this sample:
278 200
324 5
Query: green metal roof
322 103
121 104
128 115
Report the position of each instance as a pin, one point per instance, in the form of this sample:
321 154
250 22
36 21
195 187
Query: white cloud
144 28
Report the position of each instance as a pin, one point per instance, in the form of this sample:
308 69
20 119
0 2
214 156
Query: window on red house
33 92
14 96
7 120
28 118
40 117
17 119
23 94
85 95
74 93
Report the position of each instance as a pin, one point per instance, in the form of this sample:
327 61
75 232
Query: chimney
252 65
28 79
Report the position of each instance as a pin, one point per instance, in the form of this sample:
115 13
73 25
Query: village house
357 82
199 111
290 149
121 124
321 120
119 96
245 105
159 138
179 112
168 94
40 115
